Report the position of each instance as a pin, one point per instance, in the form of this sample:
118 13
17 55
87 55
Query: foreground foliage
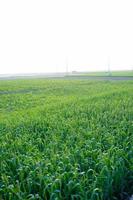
66 140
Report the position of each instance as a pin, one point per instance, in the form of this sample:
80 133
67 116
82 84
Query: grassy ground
66 139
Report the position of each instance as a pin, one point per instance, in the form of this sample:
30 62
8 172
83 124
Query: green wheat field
66 139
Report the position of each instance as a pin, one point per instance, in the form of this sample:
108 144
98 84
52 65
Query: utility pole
66 65
56 69
109 69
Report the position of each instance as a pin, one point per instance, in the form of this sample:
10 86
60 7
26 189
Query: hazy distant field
112 73
66 139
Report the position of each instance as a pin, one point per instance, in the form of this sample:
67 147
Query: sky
47 35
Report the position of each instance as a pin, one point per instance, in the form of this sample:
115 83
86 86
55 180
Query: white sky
39 35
